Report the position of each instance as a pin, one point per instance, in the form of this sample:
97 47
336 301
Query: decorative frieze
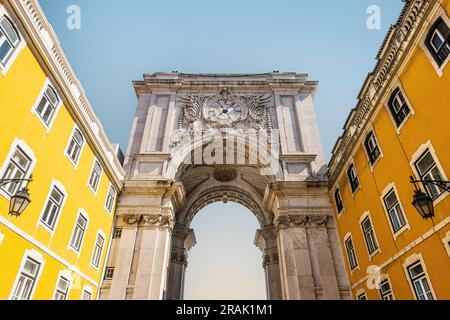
146 220
302 221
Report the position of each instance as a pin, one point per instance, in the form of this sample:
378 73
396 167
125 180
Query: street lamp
20 201
423 202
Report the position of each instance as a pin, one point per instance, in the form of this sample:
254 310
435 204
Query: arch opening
225 264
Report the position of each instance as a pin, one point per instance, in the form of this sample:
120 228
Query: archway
285 188
225 264
207 185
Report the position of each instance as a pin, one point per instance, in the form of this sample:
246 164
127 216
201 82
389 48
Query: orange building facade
399 129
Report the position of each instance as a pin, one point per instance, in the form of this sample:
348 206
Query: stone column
266 241
124 260
295 260
320 247
151 272
183 240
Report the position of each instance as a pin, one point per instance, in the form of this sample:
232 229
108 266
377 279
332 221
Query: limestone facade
180 119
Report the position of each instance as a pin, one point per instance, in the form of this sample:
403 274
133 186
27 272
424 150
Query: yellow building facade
57 248
399 129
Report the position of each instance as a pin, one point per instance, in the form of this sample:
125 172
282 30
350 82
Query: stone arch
163 191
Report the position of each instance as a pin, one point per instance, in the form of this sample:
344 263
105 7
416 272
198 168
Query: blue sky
121 40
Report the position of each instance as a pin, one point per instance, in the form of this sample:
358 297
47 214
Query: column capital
179 257
270 257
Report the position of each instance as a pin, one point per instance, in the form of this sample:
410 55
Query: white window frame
386 279
62 189
387 190
441 13
364 216
84 214
360 293
357 267
67 276
113 204
114 235
94 189
28 152
348 178
411 261
66 149
395 86
416 156
33 255
41 95
18 49
106 277
375 138
101 234
87 289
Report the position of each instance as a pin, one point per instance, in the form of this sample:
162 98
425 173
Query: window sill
400 231
46 228
372 166
440 198
398 129
74 164
70 248
373 254
356 269
354 193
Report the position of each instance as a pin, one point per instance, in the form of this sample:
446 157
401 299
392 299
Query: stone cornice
46 43
393 51
253 83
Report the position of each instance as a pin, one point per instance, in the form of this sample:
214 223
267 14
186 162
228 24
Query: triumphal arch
198 139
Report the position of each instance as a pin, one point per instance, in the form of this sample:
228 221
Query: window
386 291
428 170
95 176
86 295
372 148
96 257
369 235
78 233
27 280
362 297
109 273
75 146
47 106
420 283
9 40
18 167
117 233
353 178
438 41
394 211
399 107
62 289
52 208
338 200
110 199
351 253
